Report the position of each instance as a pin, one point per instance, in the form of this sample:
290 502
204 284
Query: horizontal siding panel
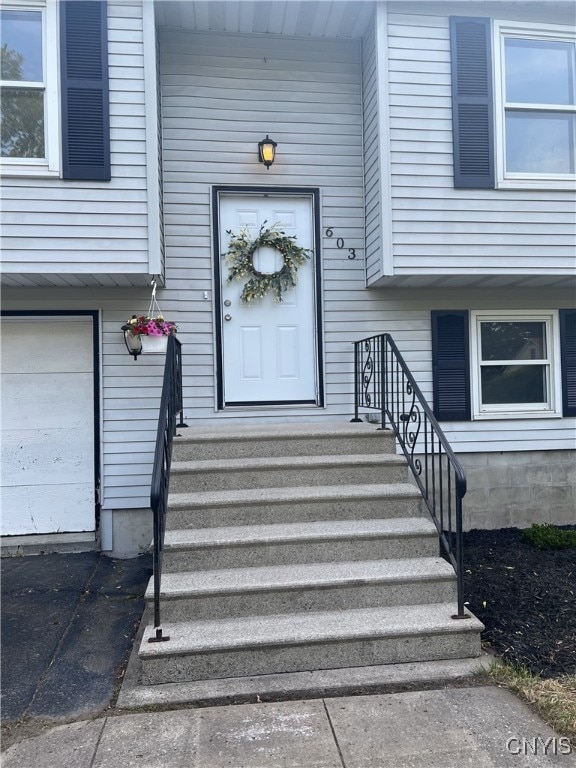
329 68
315 132
551 216
318 94
220 77
124 188
68 249
223 48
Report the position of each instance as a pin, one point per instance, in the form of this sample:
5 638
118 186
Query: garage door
47 425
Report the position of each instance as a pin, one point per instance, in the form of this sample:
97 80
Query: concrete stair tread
284 431
240 535
290 494
287 462
307 575
306 628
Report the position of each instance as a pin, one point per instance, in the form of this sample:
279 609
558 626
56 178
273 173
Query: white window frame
551 409
509 180
50 165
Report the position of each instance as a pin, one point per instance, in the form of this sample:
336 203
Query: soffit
344 19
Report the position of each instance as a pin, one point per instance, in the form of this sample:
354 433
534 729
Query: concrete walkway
481 727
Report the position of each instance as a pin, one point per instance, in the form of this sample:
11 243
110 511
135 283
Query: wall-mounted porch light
267 151
133 342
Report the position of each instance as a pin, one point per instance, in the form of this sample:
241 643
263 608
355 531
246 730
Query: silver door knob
227 317
227 303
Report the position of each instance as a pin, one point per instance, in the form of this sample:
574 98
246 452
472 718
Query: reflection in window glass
540 142
22 123
21 43
513 341
512 384
539 71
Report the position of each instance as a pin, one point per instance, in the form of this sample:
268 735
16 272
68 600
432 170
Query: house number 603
340 244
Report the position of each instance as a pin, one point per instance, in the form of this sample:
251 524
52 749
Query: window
513 104
506 364
513 358
535 106
29 94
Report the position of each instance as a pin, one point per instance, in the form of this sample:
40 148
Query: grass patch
548 536
553 699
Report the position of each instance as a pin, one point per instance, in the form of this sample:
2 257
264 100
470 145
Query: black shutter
568 356
451 365
84 77
472 120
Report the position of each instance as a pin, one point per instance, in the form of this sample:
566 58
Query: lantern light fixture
267 151
133 342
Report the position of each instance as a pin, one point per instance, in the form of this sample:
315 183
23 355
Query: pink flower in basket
151 326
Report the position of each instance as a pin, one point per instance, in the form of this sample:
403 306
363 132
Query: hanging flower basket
240 260
148 334
154 345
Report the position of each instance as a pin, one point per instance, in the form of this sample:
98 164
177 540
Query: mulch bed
525 597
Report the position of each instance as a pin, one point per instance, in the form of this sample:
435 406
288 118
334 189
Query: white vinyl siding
95 231
439 230
221 95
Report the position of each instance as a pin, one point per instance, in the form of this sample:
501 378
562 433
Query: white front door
269 348
47 425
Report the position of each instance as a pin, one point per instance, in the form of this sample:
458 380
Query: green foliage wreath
240 260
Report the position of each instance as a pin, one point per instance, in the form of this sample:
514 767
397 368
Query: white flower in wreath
240 261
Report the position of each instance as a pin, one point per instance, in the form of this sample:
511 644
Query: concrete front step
270 440
305 587
307 641
323 683
290 471
197 549
255 506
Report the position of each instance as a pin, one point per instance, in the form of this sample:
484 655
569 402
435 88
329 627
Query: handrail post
384 382
459 560
180 386
356 383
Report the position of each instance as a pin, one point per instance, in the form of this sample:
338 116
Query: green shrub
548 536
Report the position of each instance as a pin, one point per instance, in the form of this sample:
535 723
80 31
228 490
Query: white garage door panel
36 402
47 425
23 454
47 509
43 345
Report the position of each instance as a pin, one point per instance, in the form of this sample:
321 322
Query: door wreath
240 260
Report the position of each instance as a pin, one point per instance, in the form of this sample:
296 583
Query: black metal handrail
383 382
171 404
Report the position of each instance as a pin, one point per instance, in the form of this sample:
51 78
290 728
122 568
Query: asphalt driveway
68 623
